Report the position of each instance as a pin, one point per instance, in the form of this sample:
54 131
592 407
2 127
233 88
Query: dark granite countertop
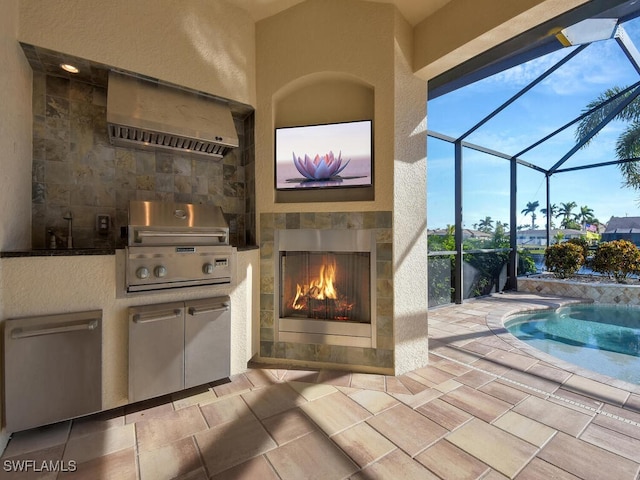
63 252
59 252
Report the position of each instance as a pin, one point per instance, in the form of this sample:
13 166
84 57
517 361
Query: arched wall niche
323 97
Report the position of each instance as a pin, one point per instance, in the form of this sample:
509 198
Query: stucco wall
200 44
15 149
15 134
410 286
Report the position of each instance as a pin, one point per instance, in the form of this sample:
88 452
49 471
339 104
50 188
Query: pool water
601 338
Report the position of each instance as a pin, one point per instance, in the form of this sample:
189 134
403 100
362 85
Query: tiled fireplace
326 289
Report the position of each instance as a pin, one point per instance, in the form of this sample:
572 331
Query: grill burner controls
160 271
142 273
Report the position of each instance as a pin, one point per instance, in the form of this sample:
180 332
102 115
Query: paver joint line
598 410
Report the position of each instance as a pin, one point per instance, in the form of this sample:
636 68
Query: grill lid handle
140 234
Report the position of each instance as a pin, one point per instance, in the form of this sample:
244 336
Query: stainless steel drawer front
53 368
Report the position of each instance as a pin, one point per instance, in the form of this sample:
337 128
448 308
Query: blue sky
551 104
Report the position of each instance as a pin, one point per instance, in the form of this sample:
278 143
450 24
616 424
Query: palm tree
585 216
566 212
628 143
553 208
485 225
531 209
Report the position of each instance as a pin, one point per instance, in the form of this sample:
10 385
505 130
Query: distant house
623 228
538 238
466 233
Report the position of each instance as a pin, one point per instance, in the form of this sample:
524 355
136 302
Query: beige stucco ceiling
413 10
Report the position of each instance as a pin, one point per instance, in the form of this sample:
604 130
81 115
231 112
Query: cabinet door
53 368
156 350
207 342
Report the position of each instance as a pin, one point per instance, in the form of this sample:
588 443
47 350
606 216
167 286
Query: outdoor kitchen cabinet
178 345
53 368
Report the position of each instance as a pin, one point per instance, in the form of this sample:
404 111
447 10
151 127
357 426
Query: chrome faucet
69 217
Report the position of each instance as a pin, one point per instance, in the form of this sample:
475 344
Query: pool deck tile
603 392
489 444
444 414
397 464
555 416
527 429
504 392
487 406
540 470
400 424
610 440
449 461
477 403
633 402
610 419
586 460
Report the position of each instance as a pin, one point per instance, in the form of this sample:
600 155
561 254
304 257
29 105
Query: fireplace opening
325 287
329 286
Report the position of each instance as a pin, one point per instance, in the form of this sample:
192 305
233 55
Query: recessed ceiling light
69 68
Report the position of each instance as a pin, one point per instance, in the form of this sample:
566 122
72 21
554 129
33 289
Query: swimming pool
601 338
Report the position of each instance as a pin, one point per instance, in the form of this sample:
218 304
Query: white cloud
601 64
522 75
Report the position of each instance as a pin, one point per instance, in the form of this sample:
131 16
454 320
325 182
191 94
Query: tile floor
485 407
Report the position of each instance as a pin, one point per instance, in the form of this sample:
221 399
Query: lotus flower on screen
321 167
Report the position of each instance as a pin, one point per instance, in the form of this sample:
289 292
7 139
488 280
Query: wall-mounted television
331 156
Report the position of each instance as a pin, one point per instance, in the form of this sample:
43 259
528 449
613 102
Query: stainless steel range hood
148 115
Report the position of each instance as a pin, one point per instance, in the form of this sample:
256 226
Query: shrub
617 259
583 244
563 259
526 264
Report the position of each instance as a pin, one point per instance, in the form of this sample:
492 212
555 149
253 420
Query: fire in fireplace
326 286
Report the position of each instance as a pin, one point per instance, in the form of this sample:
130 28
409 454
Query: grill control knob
142 273
207 268
160 271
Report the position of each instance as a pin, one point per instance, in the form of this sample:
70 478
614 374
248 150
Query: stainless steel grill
171 245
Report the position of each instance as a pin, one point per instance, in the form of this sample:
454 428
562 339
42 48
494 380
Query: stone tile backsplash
77 170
